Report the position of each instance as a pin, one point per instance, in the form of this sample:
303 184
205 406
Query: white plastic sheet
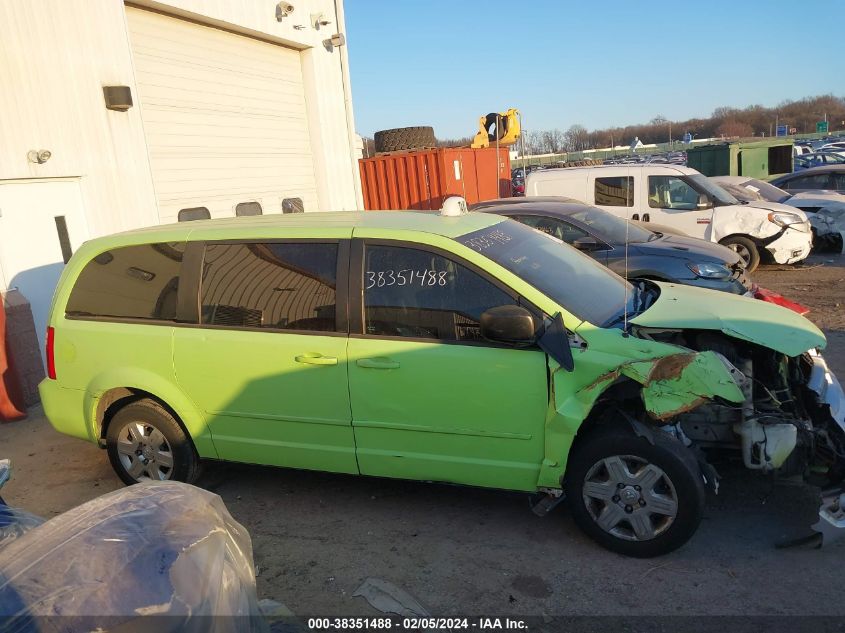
158 549
14 523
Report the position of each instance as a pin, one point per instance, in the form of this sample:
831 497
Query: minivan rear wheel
146 443
633 496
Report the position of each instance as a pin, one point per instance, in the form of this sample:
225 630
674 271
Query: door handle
312 358
646 217
377 363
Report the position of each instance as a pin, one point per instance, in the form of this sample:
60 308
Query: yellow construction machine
506 133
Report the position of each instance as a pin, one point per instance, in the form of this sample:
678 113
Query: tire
145 425
678 488
402 138
746 249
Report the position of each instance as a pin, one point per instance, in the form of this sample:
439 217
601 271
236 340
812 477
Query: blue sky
598 63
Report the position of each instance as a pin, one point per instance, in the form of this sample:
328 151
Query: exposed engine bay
791 424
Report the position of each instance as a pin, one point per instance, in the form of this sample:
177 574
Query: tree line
725 122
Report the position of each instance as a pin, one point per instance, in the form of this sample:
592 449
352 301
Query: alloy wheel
144 452
630 498
743 252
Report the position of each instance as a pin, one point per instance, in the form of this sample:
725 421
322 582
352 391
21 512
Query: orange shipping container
423 179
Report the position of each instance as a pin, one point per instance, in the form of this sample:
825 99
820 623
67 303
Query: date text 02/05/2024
416 624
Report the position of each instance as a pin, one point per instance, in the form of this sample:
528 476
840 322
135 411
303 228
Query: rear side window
615 191
563 231
814 181
286 286
131 282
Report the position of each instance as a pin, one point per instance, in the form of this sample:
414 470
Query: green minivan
453 347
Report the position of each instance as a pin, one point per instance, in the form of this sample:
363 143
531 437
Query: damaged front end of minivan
748 380
790 421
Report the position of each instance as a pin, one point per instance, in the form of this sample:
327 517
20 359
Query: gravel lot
464 551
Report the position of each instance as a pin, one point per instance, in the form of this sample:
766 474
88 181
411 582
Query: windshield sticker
485 241
753 188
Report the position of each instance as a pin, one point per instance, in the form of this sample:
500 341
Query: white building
233 102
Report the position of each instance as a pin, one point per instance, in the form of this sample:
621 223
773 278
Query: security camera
39 156
283 10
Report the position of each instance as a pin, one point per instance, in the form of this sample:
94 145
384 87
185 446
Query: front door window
420 294
669 192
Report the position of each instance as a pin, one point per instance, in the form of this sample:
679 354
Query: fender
671 384
747 220
165 390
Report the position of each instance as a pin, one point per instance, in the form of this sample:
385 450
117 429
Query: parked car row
817 159
460 347
636 250
829 177
630 250
825 210
666 158
684 199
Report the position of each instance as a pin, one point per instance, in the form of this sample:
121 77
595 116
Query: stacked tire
589 162
404 138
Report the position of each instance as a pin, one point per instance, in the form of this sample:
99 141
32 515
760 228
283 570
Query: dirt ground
316 536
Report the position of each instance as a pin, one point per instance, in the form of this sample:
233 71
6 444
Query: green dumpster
755 159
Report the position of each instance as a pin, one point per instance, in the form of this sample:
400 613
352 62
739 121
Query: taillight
51 353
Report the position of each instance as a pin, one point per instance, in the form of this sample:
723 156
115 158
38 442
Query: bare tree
734 128
553 141
577 138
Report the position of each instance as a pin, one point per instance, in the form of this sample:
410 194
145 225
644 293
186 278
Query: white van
685 200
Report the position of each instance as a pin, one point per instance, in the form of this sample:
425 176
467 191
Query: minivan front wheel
746 249
632 496
145 443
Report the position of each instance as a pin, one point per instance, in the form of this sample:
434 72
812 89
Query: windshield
740 192
611 228
705 185
577 282
764 191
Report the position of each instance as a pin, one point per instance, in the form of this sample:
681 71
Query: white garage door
224 116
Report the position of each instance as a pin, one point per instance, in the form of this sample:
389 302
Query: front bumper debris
831 525
824 383
791 247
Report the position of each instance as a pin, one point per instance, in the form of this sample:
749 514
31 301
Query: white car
836 148
685 200
825 209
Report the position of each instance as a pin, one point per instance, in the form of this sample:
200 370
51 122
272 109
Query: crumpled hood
760 322
828 210
689 248
817 194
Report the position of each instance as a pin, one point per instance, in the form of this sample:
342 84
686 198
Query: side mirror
513 325
586 244
704 202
